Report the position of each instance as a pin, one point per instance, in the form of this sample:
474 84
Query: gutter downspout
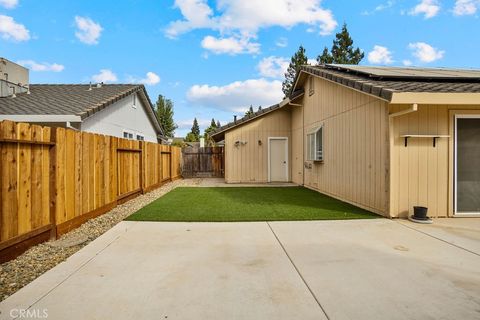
413 108
391 116
303 144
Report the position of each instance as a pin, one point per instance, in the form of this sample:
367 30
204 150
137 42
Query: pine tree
164 109
325 57
196 129
218 124
209 132
298 59
249 112
342 51
213 123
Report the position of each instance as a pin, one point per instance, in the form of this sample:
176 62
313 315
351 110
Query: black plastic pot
420 213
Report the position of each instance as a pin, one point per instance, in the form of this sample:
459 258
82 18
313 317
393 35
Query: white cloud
10 29
380 7
407 62
425 52
380 55
230 45
150 79
466 7
88 31
35 66
187 123
237 96
429 9
282 42
105 76
245 18
9 4
273 67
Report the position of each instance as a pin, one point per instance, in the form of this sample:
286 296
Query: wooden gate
205 162
129 166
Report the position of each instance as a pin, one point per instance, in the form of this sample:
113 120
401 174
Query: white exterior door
467 164
278 159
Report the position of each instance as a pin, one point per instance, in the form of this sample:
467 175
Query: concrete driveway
361 269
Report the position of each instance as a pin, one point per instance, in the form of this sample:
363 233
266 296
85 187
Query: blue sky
215 58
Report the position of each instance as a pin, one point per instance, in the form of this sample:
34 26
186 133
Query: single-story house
382 138
121 110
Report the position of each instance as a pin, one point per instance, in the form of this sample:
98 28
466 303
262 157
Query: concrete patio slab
179 271
462 232
383 270
359 269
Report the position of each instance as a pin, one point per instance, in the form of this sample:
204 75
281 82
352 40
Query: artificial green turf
247 204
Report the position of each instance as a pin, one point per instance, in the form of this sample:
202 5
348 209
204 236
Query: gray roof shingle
73 99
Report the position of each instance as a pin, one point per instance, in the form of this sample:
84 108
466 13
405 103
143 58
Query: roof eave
438 98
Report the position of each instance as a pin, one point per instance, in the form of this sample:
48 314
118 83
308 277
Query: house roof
219 134
74 99
383 82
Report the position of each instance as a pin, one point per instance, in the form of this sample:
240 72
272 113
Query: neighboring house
121 110
384 139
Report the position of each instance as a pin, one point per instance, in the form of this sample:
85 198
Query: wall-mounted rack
434 137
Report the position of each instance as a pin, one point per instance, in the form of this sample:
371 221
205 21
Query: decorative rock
19 272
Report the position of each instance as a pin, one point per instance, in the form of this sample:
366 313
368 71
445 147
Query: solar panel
409 72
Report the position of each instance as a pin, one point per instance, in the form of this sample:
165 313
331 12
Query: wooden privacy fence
54 179
203 162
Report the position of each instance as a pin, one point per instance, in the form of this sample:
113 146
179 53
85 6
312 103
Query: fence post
53 183
143 178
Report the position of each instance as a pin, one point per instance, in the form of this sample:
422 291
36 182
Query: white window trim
314 133
286 157
140 135
128 132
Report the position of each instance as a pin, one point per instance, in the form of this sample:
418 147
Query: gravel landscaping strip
17 273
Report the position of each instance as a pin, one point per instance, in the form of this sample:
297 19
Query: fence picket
54 179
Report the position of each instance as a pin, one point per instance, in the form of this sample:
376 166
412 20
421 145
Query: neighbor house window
140 137
311 85
128 135
315 145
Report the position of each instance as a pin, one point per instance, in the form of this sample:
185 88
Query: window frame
141 136
129 134
318 145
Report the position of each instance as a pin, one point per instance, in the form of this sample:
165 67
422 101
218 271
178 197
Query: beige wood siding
248 162
355 166
421 174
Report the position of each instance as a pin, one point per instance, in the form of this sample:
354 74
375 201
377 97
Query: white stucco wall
122 116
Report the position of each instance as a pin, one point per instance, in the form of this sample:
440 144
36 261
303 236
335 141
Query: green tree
342 51
207 134
325 57
249 112
164 109
195 129
218 124
298 59
191 137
